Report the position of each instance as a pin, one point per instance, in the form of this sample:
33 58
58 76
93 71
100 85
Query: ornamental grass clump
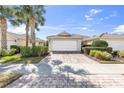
121 53
92 53
102 55
106 56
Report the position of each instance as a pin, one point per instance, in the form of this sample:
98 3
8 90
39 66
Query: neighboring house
65 41
115 41
20 40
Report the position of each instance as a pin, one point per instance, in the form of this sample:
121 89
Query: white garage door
64 45
116 45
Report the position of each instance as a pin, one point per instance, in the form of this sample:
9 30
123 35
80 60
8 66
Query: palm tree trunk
3 27
33 35
32 24
27 37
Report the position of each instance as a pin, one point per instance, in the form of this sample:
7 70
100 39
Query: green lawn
29 59
18 59
10 58
7 78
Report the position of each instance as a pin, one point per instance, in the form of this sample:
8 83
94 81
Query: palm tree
31 16
5 13
21 17
36 19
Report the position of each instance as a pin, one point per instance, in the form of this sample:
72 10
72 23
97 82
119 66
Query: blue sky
79 19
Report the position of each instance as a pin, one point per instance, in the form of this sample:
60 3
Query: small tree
99 43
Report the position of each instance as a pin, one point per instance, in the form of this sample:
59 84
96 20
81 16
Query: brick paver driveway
73 58
72 70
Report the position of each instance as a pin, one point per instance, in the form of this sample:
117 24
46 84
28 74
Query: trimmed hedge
99 43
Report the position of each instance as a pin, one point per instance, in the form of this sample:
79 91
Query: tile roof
67 35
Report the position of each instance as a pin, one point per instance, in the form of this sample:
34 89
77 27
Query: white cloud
84 28
18 30
114 14
95 11
119 29
88 17
92 13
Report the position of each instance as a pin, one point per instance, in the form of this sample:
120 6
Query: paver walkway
72 70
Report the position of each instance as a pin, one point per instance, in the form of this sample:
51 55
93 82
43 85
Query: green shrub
4 52
121 53
15 47
92 53
115 53
36 50
99 43
98 55
25 51
86 50
12 51
45 50
39 50
103 55
109 49
106 56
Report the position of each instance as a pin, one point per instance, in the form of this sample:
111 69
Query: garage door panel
116 45
62 45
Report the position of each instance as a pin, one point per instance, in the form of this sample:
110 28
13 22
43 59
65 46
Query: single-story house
65 41
19 39
116 41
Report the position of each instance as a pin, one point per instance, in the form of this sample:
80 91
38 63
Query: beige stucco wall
22 42
13 40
